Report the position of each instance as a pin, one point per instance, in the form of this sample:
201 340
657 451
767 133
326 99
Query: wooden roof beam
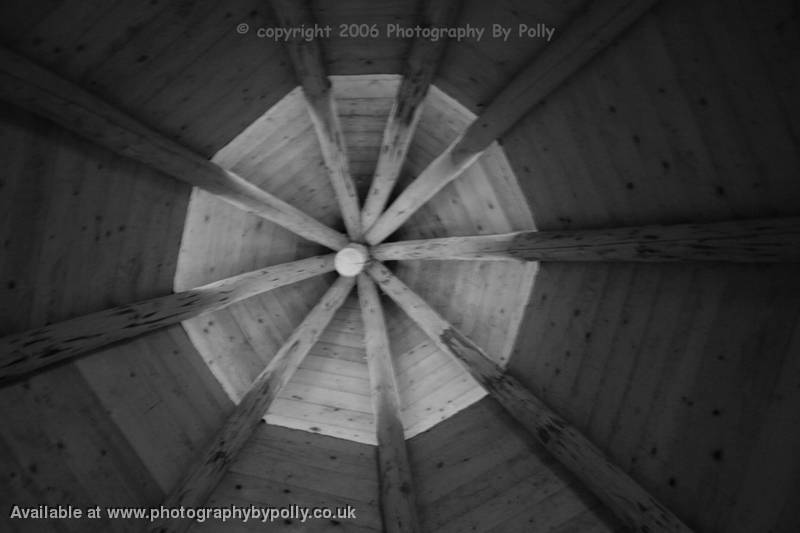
591 32
634 506
31 87
421 65
397 501
31 351
306 56
199 482
740 241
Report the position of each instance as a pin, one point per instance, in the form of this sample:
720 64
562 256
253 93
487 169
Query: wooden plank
200 481
444 169
282 467
327 397
398 501
157 389
333 478
441 405
323 419
586 36
335 367
32 350
306 56
61 446
29 86
740 241
423 60
612 485
275 443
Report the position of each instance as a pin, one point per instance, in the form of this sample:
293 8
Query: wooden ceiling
684 375
330 392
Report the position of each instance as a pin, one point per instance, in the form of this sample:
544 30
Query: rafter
33 88
586 36
31 351
306 56
421 65
612 485
197 484
397 501
739 241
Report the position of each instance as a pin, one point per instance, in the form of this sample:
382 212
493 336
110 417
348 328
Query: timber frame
33 88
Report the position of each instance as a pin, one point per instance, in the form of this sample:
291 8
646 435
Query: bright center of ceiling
330 391
351 259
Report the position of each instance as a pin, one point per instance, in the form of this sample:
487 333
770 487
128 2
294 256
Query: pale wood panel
220 240
483 299
315 401
312 75
432 386
180 68
679 373
337 422
280 153
443 118
283 467
476 472
329 394
237 343
364 103
270 147
685 120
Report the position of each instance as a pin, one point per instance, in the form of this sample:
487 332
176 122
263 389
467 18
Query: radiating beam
306 56
634 506
421 65
31 351
740 241
398 506
199 482
31 87
601 23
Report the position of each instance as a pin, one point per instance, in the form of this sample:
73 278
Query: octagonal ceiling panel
330 392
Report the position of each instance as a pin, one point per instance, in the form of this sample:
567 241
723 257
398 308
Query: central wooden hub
351 259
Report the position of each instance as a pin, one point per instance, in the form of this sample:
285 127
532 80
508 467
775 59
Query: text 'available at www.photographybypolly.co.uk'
229 513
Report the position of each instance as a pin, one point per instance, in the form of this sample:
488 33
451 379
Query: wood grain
198 483
398 502
423 60
309 65
632 504
745 241
587 35
41 92
30 351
